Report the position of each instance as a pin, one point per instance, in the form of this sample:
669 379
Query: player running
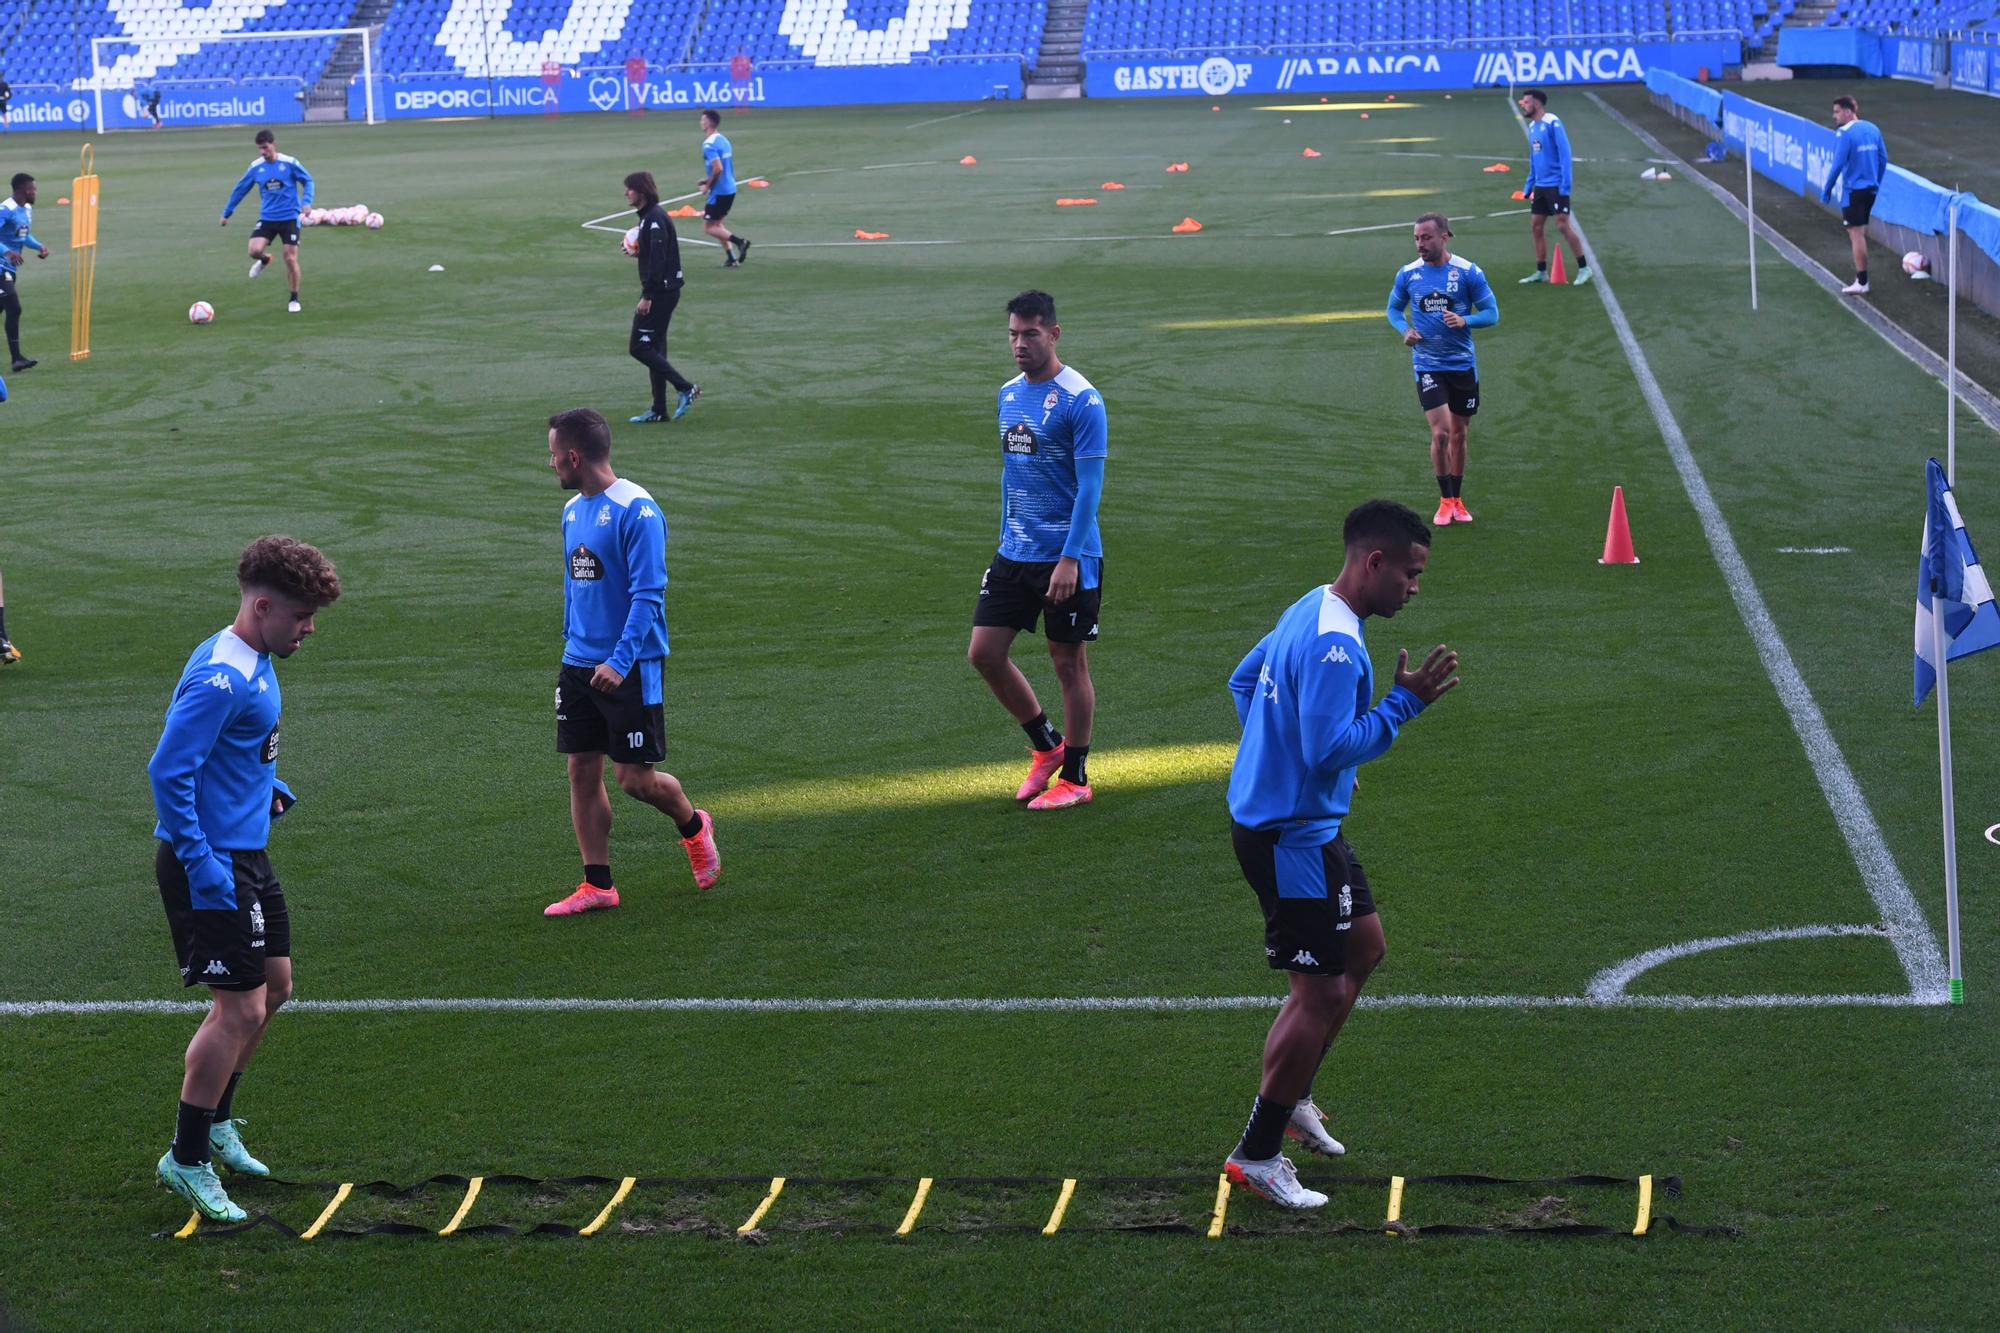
17 237
216 790
1549 177
1053 443
1302 696
718 165
1446 298
285 189
609 695
660 283
1859 164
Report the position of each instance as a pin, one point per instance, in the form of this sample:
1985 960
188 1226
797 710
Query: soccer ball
1916 265
200 312
308 218
630 245
374 222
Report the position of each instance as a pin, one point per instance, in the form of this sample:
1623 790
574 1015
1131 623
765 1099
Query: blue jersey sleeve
1083 513
1485 305
1332 736
1243 680
1399 301
195 720
1559 146
645 545
305 184
243 187
1841 153
282 797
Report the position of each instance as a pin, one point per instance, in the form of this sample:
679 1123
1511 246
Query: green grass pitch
1616 775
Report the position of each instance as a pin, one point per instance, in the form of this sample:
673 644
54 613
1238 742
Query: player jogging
1053 443
1859 164
1549 177
718 165
1302 695
153 108
9 654
284 189
1446 297
609 696
216 790
17 237
659 292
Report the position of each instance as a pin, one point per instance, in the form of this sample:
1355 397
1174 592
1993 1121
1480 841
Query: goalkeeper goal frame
100 77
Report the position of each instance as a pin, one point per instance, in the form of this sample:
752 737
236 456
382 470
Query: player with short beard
216 790
1445 297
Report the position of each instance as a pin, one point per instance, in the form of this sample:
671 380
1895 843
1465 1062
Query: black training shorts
1310 897
285 230
1546 201
718 207
628 723
1860 206
1456 389
1012 593
9 296
225 948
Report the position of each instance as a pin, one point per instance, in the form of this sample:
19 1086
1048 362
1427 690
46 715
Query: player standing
1447 297
660 282
284 190
1550 174
1053 443
9 654
609 696
1859 164
17 236
216 790
718 165
1302 696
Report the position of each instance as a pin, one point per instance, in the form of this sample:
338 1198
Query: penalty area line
955 1005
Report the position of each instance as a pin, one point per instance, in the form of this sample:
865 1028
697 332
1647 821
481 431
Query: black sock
228 1099
191 1134
1444 485
1582 259
1265 1134
692 827
1072 769
1862 277
1542 266
3 622
1041 733
1457 480
598 877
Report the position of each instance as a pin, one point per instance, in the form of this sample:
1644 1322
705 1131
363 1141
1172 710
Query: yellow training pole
82 253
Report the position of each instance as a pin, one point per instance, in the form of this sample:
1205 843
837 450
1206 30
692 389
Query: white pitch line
1902 917
939 120
1815 550
949 1005
1609 985
892 166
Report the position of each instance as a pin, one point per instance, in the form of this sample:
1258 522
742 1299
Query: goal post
122 76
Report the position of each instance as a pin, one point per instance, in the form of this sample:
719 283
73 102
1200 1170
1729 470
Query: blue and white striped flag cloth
1950 586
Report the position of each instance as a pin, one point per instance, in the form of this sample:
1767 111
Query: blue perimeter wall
1797 153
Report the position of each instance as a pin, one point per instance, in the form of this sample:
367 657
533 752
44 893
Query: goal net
237 72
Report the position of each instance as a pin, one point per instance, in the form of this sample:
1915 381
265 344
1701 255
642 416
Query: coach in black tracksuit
659 292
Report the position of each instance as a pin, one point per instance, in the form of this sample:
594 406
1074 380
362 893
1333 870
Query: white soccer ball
306 219
374 221
360 211
1916 265
351 215
630 245
200 312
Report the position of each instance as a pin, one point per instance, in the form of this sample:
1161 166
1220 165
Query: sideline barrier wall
1218 76
1970 67
220 102
1854 47
1911 212
575 91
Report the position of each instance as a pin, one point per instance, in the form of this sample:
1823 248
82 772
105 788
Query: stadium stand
47 42
1909 16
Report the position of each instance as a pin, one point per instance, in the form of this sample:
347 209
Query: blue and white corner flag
1950 586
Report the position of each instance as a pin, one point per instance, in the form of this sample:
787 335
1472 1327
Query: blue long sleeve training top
283 188
215 769
614 579
1549 159
1426 291
1302 695
17 235
1858 162
1054 438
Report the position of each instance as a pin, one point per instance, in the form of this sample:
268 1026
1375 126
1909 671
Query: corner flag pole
1944 782
1951 349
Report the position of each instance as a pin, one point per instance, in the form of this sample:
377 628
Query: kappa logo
221 682
1305 958
646 511
1267 682
263 684
1093 400
215 969
1337 654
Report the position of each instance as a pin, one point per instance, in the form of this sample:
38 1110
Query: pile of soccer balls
354 215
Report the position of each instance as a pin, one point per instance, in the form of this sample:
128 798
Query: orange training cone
1311 152
1187 225
1618 534
1556 273
968 161
1518 194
